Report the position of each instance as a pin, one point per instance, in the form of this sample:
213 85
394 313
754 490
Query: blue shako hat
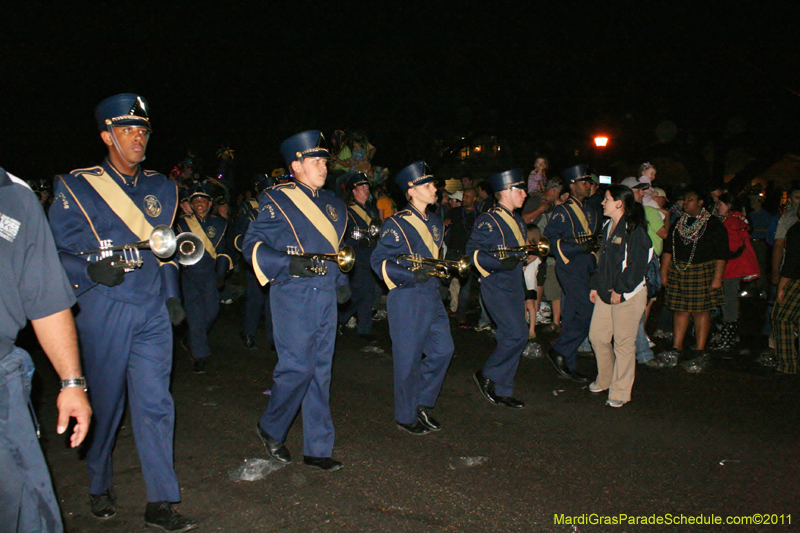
417 173
359 178
575 173
122 110
508 179
200 189
309 143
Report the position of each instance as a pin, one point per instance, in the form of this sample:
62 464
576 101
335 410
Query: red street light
600 141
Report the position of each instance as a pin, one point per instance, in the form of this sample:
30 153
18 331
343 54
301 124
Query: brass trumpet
441 267
187 248
366 237
542 248
345 258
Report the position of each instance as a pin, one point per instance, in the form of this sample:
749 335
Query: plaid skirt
691 290
789 310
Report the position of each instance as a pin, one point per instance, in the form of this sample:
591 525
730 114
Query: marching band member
502 286
200 282
571 232
303 215
418 322
124 317
360 215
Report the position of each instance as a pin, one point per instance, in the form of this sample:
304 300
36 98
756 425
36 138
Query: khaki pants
616 364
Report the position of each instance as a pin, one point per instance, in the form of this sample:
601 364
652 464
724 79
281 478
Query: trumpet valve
293 250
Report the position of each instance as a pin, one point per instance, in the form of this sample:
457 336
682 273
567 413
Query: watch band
74 382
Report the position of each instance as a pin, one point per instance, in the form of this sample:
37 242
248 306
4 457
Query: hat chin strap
119 148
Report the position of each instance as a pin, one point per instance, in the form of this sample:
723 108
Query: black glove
588 247
103 272
343 293
220 282
301 267
421 275
509 263
175 310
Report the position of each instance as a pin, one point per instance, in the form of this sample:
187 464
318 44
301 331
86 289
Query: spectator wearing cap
460 222
256 300
200 282
502 285
422 345
125 309
297 220
657 233
361 218
572 232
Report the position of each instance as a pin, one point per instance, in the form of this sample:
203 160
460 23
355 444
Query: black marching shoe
486 388
563 370
103 505
161 515
199 366
275 448
417 428
326 464
424 417
248 341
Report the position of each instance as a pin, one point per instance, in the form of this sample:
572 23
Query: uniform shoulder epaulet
94 171
403 213
149 173
282 186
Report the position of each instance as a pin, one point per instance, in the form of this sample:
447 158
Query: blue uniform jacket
317 225
248 212
570 219
399 236
212 230
494 228
80 218
356 214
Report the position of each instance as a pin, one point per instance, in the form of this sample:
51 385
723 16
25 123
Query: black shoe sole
415 433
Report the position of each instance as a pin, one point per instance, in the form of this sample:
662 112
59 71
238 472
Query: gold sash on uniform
314 215
122 205
357 209
581 217
425 233
508 219
197 229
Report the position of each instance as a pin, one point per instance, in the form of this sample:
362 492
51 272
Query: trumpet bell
163 241
346 258
189 249
543 247
463 266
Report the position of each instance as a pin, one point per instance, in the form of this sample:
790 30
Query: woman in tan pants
619 294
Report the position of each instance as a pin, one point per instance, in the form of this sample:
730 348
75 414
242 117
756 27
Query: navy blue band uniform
32 286
125 332
199 281
503 292
256 302
572 224
418 322
313 221
362 280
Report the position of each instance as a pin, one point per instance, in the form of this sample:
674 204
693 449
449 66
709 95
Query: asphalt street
722 442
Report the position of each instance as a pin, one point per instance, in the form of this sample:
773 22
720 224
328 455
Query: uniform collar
311 191
504 208
123 179
416 211
576 199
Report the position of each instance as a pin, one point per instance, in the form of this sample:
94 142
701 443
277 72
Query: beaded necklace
690 233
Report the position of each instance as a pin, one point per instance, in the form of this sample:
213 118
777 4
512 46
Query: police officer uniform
362 279
256 302
422 344
123 322
310 220
502 289
200 281
571 231
33 286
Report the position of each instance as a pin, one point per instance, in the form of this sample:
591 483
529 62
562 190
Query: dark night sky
253 73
